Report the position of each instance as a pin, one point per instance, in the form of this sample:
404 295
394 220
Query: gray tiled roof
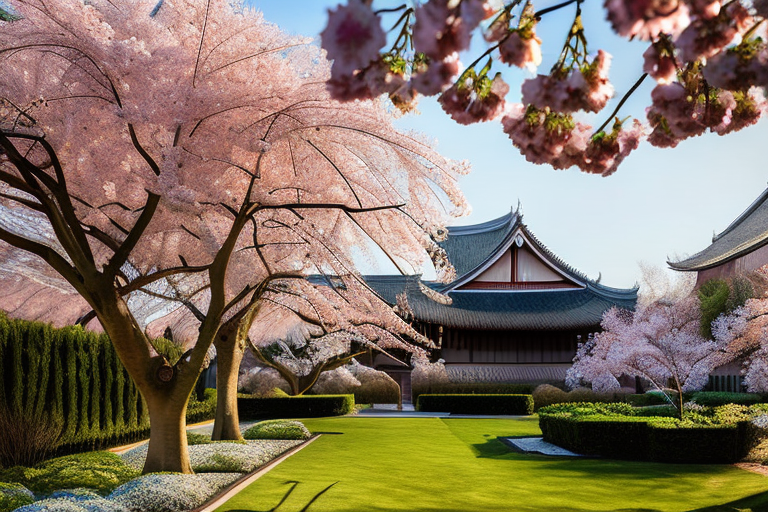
529 310
469 246
745 234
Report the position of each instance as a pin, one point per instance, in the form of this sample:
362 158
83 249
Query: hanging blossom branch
718 40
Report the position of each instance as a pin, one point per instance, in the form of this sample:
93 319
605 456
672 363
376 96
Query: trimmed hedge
471 388
311 406
477 404
73 378
715 398
596 429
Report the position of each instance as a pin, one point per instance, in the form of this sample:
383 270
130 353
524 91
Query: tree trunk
168 433
226 426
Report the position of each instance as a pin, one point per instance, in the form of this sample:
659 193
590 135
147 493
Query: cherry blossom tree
744 333
660 342
191 144
708 57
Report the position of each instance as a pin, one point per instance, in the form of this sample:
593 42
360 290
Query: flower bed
706 435
222 456
94 475
278 429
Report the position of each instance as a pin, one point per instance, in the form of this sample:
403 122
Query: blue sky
661 203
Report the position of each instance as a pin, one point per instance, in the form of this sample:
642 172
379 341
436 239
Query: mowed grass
414 464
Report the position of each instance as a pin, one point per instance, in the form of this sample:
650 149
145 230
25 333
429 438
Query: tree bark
226 426
168 433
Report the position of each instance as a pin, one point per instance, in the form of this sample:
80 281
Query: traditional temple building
516 312
741 247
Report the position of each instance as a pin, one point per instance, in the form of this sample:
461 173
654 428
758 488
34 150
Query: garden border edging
226 494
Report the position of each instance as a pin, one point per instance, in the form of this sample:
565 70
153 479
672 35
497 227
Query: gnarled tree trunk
226 426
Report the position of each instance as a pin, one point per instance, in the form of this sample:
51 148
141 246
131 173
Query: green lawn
459 465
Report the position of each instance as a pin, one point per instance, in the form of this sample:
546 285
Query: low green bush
193 438
705 435
476 404
715 398
198 411
471 388
278 429
100 471
648 398
13 496
312 406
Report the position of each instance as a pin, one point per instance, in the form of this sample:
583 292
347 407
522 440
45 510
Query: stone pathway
537 445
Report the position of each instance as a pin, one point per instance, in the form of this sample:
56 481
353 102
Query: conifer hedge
73 378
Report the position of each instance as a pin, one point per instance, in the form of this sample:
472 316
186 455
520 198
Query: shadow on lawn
293 484
755 503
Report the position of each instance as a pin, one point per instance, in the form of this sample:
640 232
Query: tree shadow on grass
754 503
293 484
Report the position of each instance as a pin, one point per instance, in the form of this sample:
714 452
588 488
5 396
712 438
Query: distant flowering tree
659 342
709 59
189 148
744 333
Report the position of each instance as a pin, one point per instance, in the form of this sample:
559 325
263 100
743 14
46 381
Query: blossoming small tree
156 141
660 342
707 57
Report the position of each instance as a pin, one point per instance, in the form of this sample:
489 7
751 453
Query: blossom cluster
707 56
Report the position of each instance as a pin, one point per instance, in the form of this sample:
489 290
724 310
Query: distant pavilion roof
745 234
473 248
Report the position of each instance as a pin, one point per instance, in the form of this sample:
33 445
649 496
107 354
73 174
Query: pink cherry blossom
647 19
433 77
586 89
706 37
353 37
543 137
704 9
749 108
603 155
466 104
659 342
732 70
673 115
520 51
659 62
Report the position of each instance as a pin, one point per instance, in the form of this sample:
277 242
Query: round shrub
13 496
278 429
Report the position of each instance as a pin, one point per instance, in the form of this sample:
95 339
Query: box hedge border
510 404
649 439
311 406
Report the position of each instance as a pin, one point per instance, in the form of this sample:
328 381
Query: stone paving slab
538 445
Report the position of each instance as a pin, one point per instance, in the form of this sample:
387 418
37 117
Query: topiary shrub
477 404
13 496
278 429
